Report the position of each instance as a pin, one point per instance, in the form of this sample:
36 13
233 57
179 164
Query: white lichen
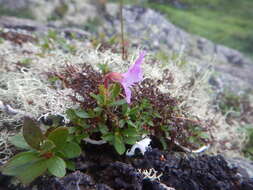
5 151
151 174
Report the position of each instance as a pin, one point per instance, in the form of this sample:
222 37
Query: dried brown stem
122 30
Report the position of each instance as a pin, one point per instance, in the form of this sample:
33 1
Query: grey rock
15 4
245 167
38 27
19 23
103 187
154 32
148 24
231 55
74 180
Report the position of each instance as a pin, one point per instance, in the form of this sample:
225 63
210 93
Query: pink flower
132 76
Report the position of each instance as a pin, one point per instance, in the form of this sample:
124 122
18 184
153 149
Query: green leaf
119 144
102 94
25 166
130 132
56 166
204 135
47 145
72 130
156 114
109 137
32 133
103 128
71 114
164 143
34 170
81 122
125 109
99 98
165 128
17 162
19 141
134 110
122 123
70 165
150 123
131 140
118 103
115 91
102 90
104 68
94 96
92 112
131 124
59 136
97 111
82 114
71 150
79 138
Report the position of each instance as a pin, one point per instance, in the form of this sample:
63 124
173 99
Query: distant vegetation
228 22
22 13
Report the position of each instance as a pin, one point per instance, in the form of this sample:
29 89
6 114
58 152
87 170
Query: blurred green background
227 22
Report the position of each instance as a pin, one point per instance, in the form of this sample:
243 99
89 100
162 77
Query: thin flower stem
122 30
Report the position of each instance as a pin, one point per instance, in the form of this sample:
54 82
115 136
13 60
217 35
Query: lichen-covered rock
15 4
244 166
69 12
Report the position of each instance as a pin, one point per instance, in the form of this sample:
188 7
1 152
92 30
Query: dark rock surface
105 171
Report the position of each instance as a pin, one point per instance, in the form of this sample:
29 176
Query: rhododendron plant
128 79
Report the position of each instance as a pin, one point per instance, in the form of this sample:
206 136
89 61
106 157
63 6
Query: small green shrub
59 12
248 149
113 120
26 61
53 40
151 112
229 101
1 40
92 25
46 152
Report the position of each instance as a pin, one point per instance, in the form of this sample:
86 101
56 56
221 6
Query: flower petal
134 74
128 93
